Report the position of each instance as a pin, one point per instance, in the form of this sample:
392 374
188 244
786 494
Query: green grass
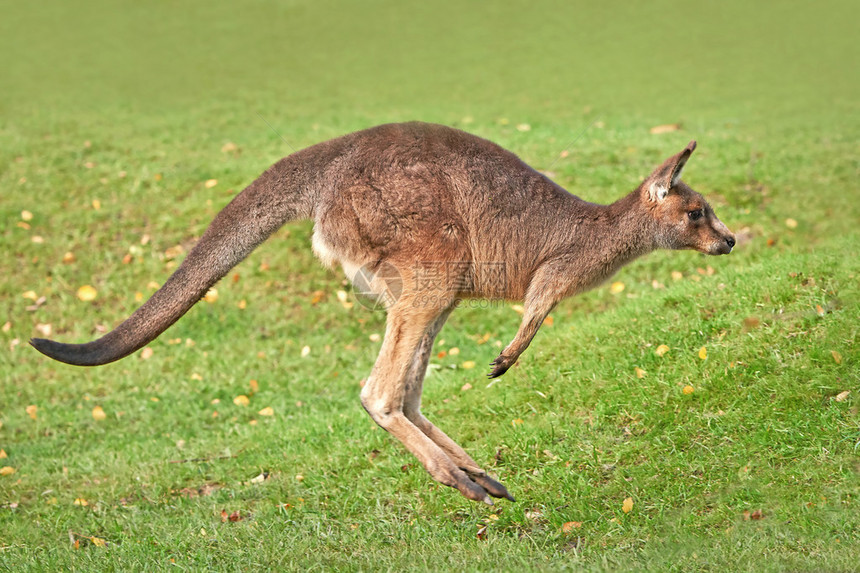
155 91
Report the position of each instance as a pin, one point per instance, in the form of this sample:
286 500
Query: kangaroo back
285 192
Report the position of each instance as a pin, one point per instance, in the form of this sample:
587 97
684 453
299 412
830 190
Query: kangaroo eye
695 215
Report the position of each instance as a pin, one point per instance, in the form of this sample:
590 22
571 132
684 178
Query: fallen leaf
569 526
98 541
548 321
241 400
677 275
375 337
516 422
837 358
842 396
267 411
228 147
211 295
469 364
819 310
210 183
482 533
300 477
523 127
146 353
661 350
317 296
254 385
665 128
756 515
305 351
235 516
7 471
31 411
97 204
260 478
791 223
703 353
3 454
223 515
26 215
465 387
99 414
751 323
627 506
616 287
639 372
518 308
454 351
688 390
81 502
44 329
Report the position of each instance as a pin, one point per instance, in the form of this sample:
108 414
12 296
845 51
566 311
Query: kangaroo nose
730 241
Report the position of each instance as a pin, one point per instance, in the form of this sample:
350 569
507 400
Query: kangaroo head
682 218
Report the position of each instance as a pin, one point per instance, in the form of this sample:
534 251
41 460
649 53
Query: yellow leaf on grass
791 223
210 183
453 351
146 353
98 541
570 526
31 411
267 411
3 454
99 414
703 353
837 358
30 294
661 350
241 400
211 295
665 128
842 396
26 215
305 351
688 389
81 501
639 372
616 287
516 422
7 471
87 293
627 506
469 364
97 204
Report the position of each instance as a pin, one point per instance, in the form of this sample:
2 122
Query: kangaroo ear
666 176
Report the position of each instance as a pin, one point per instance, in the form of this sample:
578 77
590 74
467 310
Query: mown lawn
123 130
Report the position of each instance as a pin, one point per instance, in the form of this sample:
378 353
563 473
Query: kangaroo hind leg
412 410
384 395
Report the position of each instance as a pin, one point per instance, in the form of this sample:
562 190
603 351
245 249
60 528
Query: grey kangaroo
429 201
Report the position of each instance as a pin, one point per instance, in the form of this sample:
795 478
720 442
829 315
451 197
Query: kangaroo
456 217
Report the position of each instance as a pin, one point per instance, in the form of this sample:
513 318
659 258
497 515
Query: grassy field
124 129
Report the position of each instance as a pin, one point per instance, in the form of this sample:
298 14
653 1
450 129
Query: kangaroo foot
493 487
471 489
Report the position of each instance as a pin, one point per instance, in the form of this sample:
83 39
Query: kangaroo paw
493 487
500 366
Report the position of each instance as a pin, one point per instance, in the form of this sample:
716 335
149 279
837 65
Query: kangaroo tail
285 192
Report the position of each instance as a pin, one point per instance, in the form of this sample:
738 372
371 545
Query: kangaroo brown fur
457 217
